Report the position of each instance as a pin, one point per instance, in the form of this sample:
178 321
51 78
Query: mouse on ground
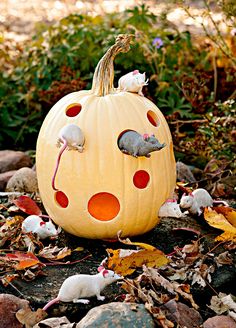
196 201
43 229
79 287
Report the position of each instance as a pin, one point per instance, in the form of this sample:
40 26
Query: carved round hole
141 179
103 206
120 135
152 117
61 199
73 110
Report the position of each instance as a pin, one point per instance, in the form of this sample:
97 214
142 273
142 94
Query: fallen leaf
30 318
55 323
54 253
127 241
129 263
228 212
23 260
219 221
27 205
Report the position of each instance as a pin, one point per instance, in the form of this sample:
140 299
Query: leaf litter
158 278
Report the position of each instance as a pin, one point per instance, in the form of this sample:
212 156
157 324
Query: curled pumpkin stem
104 73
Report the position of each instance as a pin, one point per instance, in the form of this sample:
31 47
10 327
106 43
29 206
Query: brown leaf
54 253
30 318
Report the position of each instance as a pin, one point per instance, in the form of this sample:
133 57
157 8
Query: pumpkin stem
104 73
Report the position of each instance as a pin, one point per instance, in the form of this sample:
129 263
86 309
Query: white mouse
132 82
78 286
71 137
170 208
197 200
35 224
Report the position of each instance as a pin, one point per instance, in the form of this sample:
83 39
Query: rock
223 279
24 180
220 321
13 160
181 314
117 314
184 173
4 177
9 305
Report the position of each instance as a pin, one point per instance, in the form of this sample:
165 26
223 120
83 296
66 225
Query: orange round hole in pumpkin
141 179
152 117
103 206
73 110
61 199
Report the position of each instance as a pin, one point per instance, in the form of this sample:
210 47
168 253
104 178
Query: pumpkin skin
107 190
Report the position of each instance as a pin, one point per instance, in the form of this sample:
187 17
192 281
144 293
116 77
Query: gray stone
117 315
220 321
4 177
13 160
24 180
181 314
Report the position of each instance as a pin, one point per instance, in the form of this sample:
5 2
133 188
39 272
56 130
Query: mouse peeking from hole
71 137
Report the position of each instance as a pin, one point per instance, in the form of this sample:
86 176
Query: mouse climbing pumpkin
102 189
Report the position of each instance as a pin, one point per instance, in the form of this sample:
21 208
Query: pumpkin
102 190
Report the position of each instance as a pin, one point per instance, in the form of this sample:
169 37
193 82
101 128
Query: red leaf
27 205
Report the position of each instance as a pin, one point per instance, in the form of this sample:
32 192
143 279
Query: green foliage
61 59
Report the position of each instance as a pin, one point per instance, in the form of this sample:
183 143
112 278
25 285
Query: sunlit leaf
129 263
219 221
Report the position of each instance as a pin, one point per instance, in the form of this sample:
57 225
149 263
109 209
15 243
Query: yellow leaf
78 249
219 221
227 236
228 212
127 241
128 264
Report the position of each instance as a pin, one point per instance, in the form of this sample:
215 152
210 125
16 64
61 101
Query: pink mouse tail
58 162
55 300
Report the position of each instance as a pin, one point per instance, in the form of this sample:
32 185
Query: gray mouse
135 144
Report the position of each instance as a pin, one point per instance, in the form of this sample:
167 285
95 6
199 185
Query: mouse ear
135 72
191 194
42 223
104 273
184 194
100 268
145 136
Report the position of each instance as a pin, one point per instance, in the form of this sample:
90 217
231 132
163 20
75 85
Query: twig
11 284
66 263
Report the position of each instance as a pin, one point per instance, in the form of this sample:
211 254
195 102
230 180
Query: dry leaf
127 241
23 260
222 303
55 323
54 253
30 318
27 205
228 212
128 264
219 221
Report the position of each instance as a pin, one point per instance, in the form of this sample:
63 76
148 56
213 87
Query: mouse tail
58 162
55 300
